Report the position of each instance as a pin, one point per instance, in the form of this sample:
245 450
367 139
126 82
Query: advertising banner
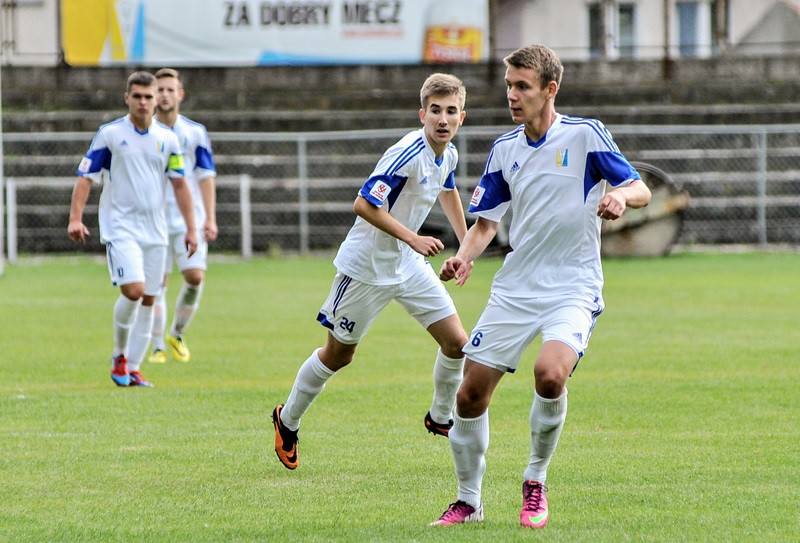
263 32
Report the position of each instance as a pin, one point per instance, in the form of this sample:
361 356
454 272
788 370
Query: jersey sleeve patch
492 191
95 161
377 188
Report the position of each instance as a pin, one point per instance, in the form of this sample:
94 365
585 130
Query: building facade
649 29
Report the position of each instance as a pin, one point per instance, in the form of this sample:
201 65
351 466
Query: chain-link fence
294 191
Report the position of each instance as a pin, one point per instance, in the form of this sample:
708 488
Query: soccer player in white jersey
552 170
382 259
200 174
133 157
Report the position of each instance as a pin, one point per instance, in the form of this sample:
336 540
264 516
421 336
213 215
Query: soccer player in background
382 259
553 169
133 157
200 174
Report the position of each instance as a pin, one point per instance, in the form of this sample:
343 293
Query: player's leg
308 384
447 373
424 297
159 347
469 441
158 344
503 332
188 300
565 335
125 267
348 313
142 329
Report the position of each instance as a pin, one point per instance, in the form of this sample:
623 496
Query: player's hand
210 230
612 206
190 242
456 268
77 231
427 245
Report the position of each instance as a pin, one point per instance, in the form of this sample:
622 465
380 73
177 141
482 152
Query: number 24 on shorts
348 325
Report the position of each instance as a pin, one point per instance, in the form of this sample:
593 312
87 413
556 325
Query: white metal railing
757 152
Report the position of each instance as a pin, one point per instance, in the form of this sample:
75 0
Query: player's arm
183 196
614 203
451 205
459 267
208 192
80 194
381 219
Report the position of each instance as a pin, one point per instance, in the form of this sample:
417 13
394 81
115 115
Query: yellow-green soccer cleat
177 348
157 357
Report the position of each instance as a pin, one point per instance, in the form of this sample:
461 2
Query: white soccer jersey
199 164
554 186
406 181
135 166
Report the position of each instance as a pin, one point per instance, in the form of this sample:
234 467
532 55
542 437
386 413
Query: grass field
684 420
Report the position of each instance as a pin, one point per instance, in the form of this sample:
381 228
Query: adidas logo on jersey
515 167
424 181
123 143
578 336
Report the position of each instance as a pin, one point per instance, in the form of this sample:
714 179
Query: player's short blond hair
539 58
143 79
442 85
169 72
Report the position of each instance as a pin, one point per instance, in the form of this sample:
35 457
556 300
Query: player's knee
133 291
471 402
451 347
550 381
194 277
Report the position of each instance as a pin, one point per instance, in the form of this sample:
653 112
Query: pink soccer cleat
534 505
459 513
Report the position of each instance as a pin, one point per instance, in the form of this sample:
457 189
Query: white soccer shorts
130 262
353 306
177 253
508 325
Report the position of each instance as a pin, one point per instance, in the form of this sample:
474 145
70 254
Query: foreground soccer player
134 152
382 260
552 168
200 174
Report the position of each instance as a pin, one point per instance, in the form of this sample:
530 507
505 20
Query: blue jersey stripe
505 137
407 154
594 125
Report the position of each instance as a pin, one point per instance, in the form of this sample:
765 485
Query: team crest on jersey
86 163
477 195
562 158
161 146
380 191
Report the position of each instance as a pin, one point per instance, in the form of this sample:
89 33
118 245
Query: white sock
547 420
447 375
310 380
160 320
124 313
185 307
469 440
140 337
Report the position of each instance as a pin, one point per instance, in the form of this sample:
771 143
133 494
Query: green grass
684 420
